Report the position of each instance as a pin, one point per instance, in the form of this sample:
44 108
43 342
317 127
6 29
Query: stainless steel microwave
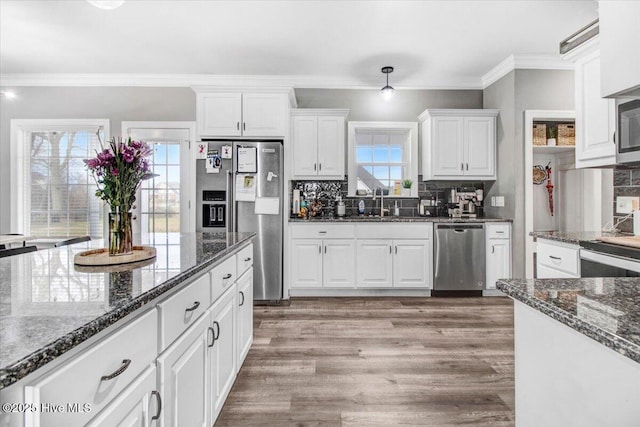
628 132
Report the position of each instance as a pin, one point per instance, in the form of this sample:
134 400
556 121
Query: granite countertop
48 305
574 237
395 219
604 309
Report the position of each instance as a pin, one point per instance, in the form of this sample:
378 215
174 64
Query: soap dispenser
396 209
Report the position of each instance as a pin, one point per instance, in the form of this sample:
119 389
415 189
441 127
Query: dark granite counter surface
574 237
48 305
394 219
604 309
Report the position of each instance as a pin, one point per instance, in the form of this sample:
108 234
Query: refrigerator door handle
230 198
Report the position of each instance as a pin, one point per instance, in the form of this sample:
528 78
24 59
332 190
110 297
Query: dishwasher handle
459 226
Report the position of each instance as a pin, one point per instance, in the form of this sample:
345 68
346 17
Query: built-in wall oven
599 259
628 132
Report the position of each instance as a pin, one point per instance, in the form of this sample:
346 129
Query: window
54 193
381 155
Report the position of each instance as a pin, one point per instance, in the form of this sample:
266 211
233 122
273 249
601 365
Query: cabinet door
222 350
447 146
411 263
184 374
264 114
219 114
305 145
245 315
135 406
480 149
544 272
331 147
338 261
595 116
306 263
374 263
498 261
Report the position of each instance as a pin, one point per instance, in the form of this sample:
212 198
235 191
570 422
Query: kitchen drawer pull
557 258
499 232
216 336
121 369
227 276
242 295
247 259
159 399
193 307
322 232
213 336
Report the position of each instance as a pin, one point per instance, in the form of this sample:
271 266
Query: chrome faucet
382 209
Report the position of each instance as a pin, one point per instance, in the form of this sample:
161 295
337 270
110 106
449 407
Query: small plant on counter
407 183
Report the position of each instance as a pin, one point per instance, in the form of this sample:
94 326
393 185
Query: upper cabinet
619 42
222 113
595 116
458 144
318 143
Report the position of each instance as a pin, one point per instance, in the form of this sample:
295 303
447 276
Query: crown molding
211 80
525 62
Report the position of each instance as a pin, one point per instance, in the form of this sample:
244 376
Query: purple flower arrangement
118 170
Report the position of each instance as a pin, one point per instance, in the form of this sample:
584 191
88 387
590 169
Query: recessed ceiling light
387 91
106 4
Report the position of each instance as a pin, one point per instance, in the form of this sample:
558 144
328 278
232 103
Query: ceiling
321 43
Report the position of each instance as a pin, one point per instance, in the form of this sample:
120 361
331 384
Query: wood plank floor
378 362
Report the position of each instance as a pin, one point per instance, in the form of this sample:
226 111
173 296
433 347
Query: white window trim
412 131
191 184
20 130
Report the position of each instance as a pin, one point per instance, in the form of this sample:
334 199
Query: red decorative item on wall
549 188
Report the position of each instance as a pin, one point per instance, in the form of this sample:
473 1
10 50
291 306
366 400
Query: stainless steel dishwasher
459 251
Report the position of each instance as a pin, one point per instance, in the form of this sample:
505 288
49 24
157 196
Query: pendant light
106 4
387 91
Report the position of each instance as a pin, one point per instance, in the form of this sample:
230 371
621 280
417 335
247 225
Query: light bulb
106 4
387 92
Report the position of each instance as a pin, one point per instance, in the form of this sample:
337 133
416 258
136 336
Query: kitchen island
53 312
577 351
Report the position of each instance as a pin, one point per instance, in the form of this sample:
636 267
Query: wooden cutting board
633 241
101 256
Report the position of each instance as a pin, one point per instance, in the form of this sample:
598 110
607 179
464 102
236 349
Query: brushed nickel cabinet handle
237 125
390 250
325 249
461 166
319 249
396 249
121 369
159 399
247 259
315 166
555 257
213 336
242 295
193 307
493 249
217 326
227 276
319 166
244 126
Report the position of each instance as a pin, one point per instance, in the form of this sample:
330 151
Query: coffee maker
465 202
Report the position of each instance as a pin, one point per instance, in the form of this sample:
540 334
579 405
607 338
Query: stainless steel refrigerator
245 194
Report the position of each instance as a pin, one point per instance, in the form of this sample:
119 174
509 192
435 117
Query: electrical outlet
499 201
493 200
626 205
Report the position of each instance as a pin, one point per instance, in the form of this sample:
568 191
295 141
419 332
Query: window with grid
60 193
382 160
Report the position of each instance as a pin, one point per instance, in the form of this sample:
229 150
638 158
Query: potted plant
552 133
406 187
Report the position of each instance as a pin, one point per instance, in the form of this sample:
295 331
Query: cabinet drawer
83 379
498 231
559 257
182 309
395 231
322 231
245 260
222 277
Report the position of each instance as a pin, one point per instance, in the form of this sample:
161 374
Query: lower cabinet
393 263
318 263
498 253
374 263
245 315
184 377
557 260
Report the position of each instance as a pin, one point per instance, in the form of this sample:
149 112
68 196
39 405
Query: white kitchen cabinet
458 144
233 114
318 143
139 405
557 260
619 41
374 263
306 263
595 116
222 350
323 263
245 315
184 377
498 253
410 266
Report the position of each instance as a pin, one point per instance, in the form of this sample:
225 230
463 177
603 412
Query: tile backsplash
326 191
626 182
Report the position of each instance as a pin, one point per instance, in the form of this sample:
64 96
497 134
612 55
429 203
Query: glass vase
120 241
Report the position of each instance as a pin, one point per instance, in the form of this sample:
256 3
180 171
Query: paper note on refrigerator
267 206
245 188
247 159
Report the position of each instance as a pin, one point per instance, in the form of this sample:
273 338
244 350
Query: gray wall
405 106
521 90
113 103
